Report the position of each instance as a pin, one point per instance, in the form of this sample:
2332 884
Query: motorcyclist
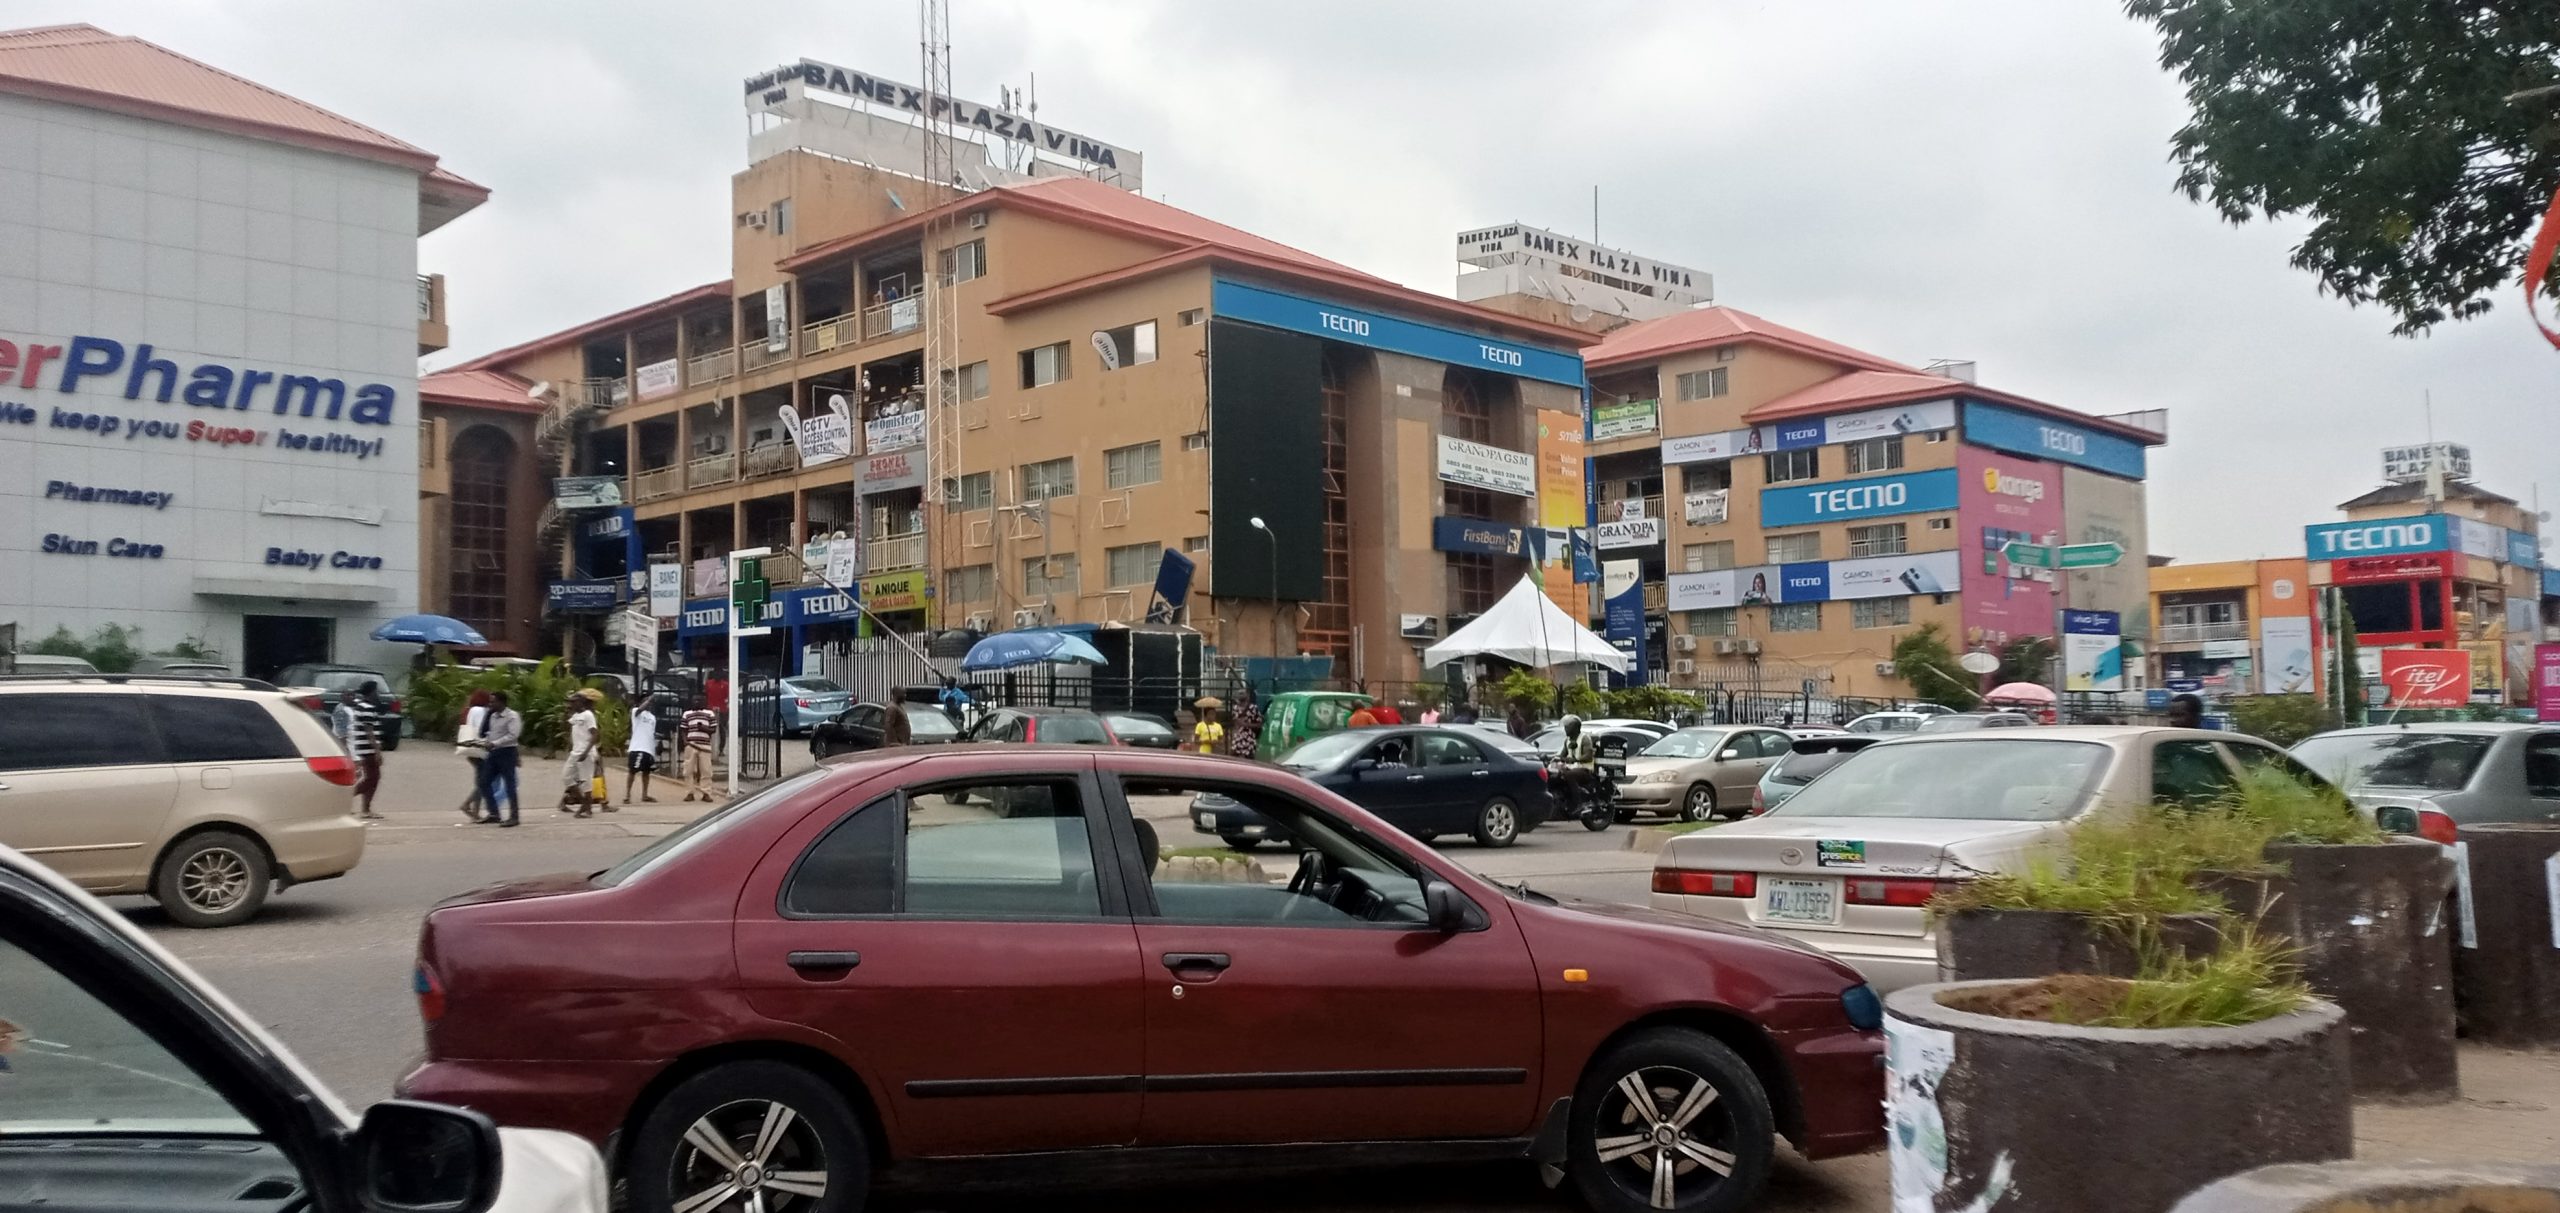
1580 757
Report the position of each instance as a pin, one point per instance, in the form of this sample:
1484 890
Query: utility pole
941 303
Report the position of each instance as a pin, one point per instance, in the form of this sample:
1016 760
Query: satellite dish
1978 662
1581 312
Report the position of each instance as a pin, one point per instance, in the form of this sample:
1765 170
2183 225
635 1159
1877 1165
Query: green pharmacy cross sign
2067 556
748 594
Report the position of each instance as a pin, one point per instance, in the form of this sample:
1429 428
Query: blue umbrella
1004 650
429 629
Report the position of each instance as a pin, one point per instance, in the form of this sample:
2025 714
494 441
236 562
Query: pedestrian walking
2186 711
1518 724
641 753
578 774
1362 717
1244 730
894 727
466 743
358 724
694 734
501 737
1208 736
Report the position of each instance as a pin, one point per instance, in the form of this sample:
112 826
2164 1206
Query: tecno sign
1862 499
2393 538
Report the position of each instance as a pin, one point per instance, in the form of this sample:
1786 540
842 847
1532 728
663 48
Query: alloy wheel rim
214 880
1498 820
1663 1136
1701 803
748 1156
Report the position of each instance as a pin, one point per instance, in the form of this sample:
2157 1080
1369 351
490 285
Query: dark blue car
1424 781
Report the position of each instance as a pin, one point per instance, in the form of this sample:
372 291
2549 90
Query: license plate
1793 900
1209 821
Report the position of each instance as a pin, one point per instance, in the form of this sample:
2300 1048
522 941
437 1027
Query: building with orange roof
1137 410
210 320
1792 507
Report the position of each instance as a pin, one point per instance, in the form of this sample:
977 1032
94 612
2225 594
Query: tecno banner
2427 678
2386 537
1804 505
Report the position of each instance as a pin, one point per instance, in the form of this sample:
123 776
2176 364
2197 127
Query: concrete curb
2410 1188
1649 840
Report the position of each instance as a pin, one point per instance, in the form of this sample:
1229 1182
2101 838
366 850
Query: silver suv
208 794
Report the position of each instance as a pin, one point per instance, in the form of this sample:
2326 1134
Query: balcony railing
893 553
779 567
655 484
427 297
711 368
432 333
756 353
598 393
897 316
835 332
772 459
2178 633
709 470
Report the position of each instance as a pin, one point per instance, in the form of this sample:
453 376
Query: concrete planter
2372 933
1977 945
2032 1117
2372 1187
2509 978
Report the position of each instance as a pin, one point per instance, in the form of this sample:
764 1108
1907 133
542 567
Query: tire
1238 842
819 1147
213 879
1497 823
955 798
1624 816
1426 837
1698 803
1732 1130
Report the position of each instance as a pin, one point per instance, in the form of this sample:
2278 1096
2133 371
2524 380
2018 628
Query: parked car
2441 777
1699 774
1966 722
207 796
845 981
1892 722
1144 731
1058 726
1848 862
332 682
132 1084
1426 781
795 704
182 667
859 728
1616 745
1292 717
1655 727
47 663
1808 757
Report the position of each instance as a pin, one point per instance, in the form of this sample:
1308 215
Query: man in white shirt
642 753
578 775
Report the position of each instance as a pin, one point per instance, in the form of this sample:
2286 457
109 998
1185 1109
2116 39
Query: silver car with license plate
1700 774
1849 861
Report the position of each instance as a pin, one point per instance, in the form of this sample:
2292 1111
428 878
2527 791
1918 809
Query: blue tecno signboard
1357 326
1809 581
1804 504
2524 551
2033 434
2381 537
1794 434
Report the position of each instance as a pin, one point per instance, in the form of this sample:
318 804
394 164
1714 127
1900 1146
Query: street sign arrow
2031 555
2089 555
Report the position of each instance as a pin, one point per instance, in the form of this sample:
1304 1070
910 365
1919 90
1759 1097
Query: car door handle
806 961
1215 962
1413 778
1480 772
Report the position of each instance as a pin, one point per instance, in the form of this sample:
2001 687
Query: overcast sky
1983 180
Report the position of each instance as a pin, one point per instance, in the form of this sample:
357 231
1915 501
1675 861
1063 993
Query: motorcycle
1593 802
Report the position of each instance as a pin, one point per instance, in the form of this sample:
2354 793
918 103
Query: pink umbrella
2021 692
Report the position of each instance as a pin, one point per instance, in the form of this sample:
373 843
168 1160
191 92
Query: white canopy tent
1527 628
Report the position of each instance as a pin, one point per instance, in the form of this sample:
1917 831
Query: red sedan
968 965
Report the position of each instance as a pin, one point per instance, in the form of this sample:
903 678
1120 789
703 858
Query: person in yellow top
1209 736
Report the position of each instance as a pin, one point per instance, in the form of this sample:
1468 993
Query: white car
1847 862
1890 722
126 1082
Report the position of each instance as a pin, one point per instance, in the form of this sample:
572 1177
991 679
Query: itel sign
2427 678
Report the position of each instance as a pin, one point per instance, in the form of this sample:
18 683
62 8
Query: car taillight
1759 801
430 992
1888 891
804 703
336 768
391 705
1544 775
310 703
2435 826
1694 883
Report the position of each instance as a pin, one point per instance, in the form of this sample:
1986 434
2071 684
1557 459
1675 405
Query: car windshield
2429 762
70 1064
929 722
2006 780
1885 724
1139 726
344 680
704 828
816 686
1072 730
1687 743
1801 768
1326 750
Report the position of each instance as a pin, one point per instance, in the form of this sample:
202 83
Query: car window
702 829
70 1063
1072 730
1449 752
1775 745
927 722
2010 779
1393 752
2256 755
1687 743
1337 879
999 850
199 728
852 868
2432 762
863 716
1324 751
342 681
2188 773
52 732
2542 765
817 686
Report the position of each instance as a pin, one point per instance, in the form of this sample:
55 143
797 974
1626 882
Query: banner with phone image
1896 576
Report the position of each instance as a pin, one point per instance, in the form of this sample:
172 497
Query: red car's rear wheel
751 1137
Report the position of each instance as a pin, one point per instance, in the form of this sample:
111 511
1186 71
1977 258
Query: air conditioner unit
1751 647
1884 669
754 219
981 621
977 219
1026 619
1725 646
1684 667
1684 643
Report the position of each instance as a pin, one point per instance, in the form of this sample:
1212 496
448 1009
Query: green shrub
437 699
2248 979
2282 719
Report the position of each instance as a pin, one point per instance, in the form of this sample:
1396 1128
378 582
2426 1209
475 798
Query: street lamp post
1274 585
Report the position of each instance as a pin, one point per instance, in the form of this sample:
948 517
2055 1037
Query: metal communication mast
941 304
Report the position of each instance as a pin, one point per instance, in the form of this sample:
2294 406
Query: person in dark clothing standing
1519 724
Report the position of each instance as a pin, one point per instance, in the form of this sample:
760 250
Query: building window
476 592
1134 564
1716 621
963 262
1130 466
1702 385
782 218
1128 345
1196 544
1473 586
967 383
1875 454
974 491
1795 547
1044 366
1878 612
1197 441
1795 617
1706 557
1051 478
1880 539
1942 524
1707 477
971 583
1727 353
1779 467
1050 577
1192 315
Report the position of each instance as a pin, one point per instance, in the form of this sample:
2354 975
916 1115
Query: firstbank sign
100 363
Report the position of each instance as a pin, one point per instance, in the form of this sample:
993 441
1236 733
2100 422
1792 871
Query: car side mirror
1728 755
1362 764
2396 819
427 1158
1448 910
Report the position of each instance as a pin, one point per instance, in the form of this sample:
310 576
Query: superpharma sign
1803 504
1376 330
2033 434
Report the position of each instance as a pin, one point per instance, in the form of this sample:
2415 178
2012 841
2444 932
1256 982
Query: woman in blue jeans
500 733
